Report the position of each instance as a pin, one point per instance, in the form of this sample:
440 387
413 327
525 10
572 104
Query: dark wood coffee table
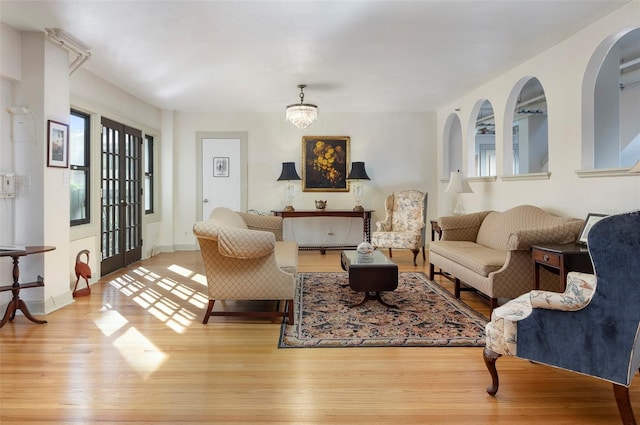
372 275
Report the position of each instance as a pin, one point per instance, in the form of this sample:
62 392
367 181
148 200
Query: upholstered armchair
404 223
245 258
592 328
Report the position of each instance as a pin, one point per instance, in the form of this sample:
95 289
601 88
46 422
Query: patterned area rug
427 315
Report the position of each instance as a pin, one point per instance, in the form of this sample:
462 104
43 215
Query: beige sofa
245 258
489 251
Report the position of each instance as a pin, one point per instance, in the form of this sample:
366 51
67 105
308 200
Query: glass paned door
121 188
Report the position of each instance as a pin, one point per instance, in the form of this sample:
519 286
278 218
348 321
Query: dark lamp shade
358 172
289 172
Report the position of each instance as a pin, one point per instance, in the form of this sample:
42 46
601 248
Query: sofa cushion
497 227
481 259
241 243
225 217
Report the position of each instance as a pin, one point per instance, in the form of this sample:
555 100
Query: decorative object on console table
321 204
289 173
457 185
302 114
324 163
358 173
57 144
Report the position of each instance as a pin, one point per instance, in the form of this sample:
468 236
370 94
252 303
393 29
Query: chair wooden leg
490 358
390 255
493 303
415 255
207 313
621 394
432 271
290 318
424 256
456 288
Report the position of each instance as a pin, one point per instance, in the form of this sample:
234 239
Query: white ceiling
353 55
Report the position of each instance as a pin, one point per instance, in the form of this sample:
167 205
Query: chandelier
302 114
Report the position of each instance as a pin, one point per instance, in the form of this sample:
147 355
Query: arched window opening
452 152
616 127
530 132
485 142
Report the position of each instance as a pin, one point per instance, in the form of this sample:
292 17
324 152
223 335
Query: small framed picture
592 218
58 144
220 166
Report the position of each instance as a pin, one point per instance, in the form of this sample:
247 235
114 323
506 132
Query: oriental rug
427 315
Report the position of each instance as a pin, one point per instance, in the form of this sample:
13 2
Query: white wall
560 71
398 151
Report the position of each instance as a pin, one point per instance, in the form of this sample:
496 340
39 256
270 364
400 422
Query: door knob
205 201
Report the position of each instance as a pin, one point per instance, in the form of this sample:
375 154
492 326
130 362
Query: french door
121 193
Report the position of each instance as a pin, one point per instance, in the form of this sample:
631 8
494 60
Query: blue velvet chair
592 328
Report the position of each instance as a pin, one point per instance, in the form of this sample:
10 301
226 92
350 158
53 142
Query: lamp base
289 208
358 208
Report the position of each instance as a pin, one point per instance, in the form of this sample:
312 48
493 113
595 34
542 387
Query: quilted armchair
245 258
592 328
404 223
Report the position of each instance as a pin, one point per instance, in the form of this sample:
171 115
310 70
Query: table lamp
289 173
358 173
458 185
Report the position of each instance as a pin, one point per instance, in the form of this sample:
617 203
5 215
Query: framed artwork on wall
57 144
220 166
324 163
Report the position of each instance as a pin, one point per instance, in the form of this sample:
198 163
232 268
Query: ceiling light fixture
302 114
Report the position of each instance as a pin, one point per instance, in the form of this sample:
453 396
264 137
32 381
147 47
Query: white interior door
221 175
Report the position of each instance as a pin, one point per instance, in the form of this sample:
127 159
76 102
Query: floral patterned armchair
592 328
404 224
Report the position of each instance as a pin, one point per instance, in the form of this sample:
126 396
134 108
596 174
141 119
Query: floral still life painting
324 163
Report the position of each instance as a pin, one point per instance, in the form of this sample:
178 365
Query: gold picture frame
325 161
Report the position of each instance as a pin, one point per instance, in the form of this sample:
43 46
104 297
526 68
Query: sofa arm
245 244
269 223
461 227
560 234
579 292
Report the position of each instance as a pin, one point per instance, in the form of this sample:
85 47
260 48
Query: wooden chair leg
390 255
621 394
490 358
415 255
456 288
432 271
207 313
290 318
424 256
493 303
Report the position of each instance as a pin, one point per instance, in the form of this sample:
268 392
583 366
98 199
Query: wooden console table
16 303
365 215
561 259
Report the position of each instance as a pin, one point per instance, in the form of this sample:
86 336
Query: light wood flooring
135 352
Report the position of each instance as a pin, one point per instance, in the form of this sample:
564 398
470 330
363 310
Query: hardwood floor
135 352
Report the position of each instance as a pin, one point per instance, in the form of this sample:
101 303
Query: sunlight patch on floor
141 354
163 307
110 321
